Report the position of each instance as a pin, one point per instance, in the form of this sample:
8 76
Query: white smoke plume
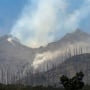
37 22
41 20
49 58
44 58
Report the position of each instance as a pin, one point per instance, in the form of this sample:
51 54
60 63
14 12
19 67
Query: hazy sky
38 22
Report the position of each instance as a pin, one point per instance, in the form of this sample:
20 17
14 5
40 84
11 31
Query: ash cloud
41 21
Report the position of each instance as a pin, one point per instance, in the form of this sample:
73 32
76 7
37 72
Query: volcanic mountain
18 58
73 43
70 67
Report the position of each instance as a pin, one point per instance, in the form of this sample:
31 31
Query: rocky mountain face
69 68
14 57
74 38
17 59
74 43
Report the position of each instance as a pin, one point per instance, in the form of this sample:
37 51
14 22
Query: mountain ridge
14 55
69 68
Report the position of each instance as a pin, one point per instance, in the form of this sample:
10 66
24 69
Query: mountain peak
78 31
9 38
76 36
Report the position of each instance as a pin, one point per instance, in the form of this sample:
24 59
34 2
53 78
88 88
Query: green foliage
75 83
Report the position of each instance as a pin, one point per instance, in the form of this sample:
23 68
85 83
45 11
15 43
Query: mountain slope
14 57
69 67
70 39
74 43
20 59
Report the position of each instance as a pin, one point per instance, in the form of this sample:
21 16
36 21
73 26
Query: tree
75 83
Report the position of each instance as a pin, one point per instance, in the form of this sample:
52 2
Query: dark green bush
75 83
